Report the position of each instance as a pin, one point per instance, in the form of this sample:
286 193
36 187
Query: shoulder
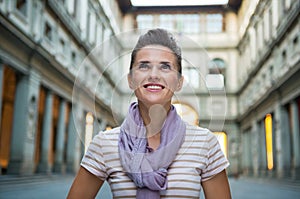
203 134
197 129
108 135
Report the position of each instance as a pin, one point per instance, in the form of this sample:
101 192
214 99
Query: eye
143 66
165 66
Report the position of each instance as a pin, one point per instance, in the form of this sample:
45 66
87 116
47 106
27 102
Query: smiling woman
154 153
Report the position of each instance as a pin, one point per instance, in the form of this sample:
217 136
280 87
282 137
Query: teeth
154 87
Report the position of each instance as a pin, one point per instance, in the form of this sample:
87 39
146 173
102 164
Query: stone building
63 67
44 51
269 95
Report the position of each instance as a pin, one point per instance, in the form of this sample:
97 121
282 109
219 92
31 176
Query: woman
154 154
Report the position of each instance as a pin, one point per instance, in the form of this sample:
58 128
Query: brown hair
160 37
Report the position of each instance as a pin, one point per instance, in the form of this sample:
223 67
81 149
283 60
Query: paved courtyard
57 186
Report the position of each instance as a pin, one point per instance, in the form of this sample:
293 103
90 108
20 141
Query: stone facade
61 61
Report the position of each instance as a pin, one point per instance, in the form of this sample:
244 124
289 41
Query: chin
154 102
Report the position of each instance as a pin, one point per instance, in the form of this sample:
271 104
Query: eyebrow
165 62
147 62
143 62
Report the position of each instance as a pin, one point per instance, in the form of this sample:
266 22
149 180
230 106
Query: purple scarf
148 170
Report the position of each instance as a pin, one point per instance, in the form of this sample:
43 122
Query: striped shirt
199 159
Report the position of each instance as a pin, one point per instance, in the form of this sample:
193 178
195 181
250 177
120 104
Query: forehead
155 52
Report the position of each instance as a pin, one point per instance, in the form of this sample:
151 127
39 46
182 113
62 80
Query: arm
217 187
85 185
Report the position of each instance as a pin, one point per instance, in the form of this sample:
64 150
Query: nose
154 73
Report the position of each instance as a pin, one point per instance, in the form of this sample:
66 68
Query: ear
180 83
130 83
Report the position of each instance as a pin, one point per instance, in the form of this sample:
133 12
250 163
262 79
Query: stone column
286 142
60 139
262 148
44 164
246 153
24 125
295 139
75 138
279 139
255 147
234 151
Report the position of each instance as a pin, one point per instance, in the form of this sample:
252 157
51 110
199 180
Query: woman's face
154 76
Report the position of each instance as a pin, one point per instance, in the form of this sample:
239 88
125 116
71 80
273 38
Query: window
145 21
75 7
21 6
73 57
62 45
216 66
48 31
295 42
192 76
283 55
187 23
1 5
259 35
99 37
214 81
252 43
216 72
92 28
167 21
266 25
270 23
214 23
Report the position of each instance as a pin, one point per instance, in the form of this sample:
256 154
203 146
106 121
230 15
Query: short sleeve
93 160
215 159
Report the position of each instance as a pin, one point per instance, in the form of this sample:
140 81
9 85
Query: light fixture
269 141
178 2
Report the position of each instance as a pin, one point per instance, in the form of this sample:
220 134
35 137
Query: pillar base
59 168
71 167
295 174
44 167
20 168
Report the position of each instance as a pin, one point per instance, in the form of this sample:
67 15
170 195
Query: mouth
152 86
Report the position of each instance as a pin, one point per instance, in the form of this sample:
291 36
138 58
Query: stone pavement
57 186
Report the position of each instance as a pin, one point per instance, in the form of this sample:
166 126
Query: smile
154 86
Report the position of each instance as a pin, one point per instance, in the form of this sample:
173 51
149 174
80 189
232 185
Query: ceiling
126 7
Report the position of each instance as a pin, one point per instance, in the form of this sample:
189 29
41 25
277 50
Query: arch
215 79
223 141
6 125
187 113
217 66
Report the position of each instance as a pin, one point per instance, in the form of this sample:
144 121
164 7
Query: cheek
173 84
135 82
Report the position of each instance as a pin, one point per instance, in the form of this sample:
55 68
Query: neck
154 117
